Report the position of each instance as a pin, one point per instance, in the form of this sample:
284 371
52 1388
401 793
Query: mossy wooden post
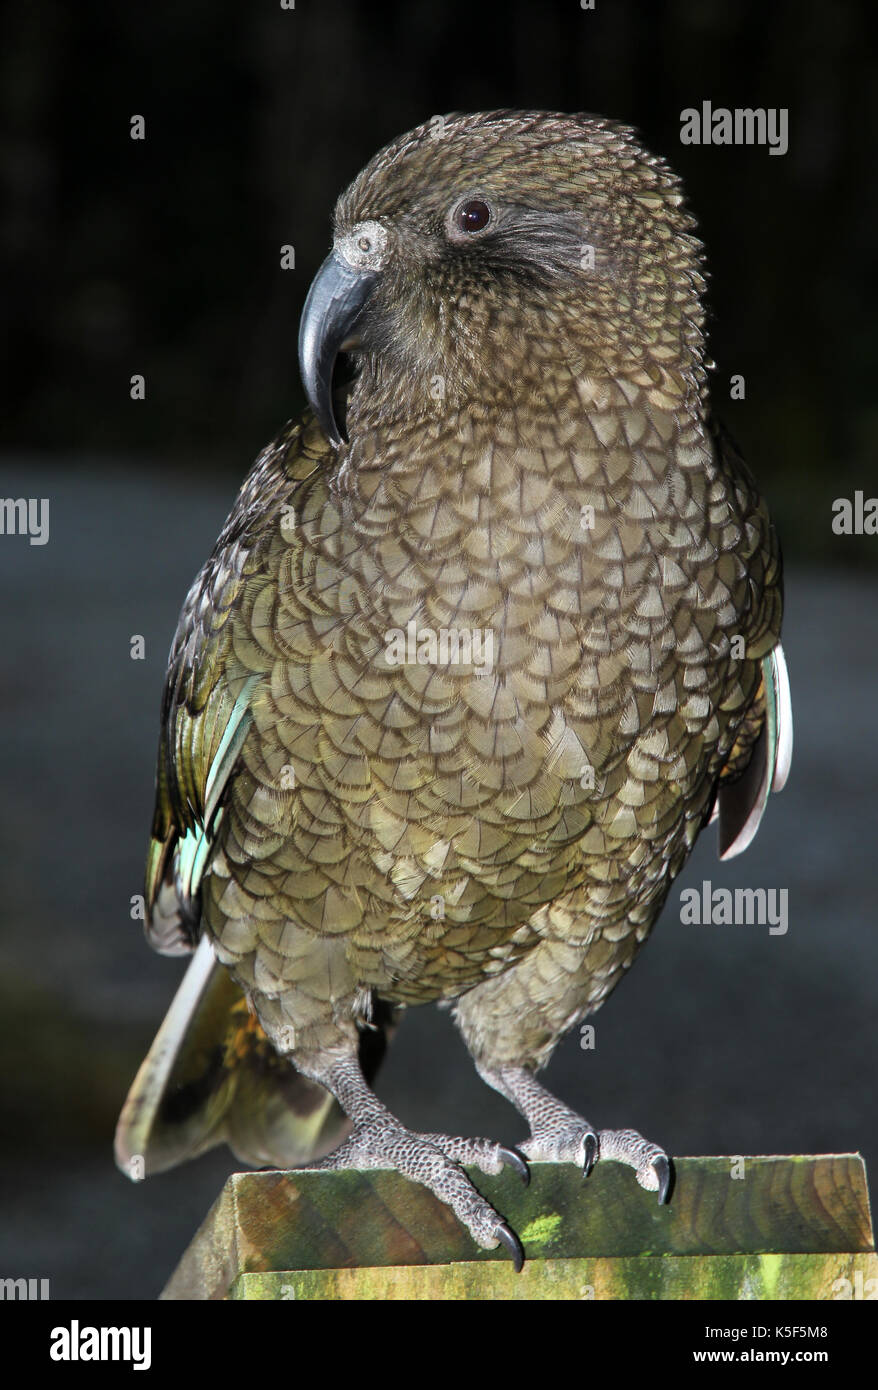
753 1228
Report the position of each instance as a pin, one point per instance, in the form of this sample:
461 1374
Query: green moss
541 1231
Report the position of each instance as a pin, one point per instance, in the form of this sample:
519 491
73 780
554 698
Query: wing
209 691
211 1074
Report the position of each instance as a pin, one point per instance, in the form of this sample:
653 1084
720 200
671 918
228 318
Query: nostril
364 247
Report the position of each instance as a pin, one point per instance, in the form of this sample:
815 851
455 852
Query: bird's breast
478 634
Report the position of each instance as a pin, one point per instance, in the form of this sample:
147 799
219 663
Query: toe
479 1153
573 1142
651 1164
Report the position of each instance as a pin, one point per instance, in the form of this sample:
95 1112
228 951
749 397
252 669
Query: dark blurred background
162 257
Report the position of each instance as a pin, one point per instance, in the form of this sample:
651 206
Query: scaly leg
379 1140
511 1025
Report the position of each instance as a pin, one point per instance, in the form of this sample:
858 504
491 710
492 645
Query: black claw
513 1159
512 1243
591 1153
662 1169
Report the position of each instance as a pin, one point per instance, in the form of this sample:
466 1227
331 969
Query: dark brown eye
472 215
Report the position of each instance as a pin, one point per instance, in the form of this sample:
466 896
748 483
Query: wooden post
742 1228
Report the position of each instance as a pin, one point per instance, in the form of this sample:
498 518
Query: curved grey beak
337 294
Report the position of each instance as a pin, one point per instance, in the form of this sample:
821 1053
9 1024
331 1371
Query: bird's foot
568 1138
435 1160
560 1135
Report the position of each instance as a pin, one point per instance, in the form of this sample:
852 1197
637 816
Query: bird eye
472 215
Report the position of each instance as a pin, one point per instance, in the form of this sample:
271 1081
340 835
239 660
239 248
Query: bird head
481 259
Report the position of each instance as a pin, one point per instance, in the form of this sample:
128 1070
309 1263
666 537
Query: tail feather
212 1077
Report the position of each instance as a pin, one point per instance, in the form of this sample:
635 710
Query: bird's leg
511 1024
558 1133
379 1140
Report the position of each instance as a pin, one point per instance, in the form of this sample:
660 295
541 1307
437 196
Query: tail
212 1077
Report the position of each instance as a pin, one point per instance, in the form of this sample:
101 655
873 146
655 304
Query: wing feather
209 693
742 801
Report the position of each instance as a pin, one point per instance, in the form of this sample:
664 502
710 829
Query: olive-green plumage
528 457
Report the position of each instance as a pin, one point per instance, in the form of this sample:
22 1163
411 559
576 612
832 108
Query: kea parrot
490 634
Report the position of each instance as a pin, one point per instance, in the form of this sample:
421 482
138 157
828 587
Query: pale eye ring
473 215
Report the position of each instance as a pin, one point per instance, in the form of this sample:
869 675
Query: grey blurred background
162 257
